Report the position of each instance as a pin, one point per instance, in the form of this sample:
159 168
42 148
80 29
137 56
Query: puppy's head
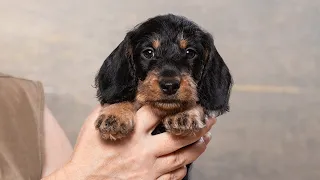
168 62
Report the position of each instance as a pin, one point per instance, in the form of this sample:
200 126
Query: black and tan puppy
171 64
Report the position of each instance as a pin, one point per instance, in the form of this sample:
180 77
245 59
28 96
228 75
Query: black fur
117 80
216 82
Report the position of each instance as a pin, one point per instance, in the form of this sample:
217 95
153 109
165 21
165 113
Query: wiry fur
127 79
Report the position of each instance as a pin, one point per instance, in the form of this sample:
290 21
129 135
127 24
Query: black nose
169 87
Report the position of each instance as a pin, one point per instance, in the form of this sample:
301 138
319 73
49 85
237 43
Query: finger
88 130
88 124
93 115
168 143
174 175
207 137
181 157
145 120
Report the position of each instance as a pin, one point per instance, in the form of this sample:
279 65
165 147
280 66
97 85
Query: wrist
68 171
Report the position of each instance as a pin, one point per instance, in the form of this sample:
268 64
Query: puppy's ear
216 82
115 81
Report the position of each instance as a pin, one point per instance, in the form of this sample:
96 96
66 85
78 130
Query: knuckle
165 177
172 176
175 175
178 160
178 175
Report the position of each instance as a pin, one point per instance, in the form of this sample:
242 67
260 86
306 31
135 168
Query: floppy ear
215 84
115 81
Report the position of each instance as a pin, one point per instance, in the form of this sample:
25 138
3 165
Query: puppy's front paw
185 123
115 122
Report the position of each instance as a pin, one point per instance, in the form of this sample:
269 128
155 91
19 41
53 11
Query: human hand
139 156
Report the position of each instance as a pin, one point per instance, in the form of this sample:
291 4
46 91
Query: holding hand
139 156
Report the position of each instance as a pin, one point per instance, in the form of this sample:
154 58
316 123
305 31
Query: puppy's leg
185 123
116 121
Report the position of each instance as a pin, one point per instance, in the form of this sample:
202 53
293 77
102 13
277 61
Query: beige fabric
21 116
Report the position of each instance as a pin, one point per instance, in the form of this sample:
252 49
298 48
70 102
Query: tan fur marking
150 93
188 89
183 43
156 43
149 90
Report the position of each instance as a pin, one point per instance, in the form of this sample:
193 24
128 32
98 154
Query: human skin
140 156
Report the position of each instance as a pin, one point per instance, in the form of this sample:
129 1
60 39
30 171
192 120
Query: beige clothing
21 119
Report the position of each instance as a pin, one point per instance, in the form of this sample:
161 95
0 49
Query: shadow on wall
69 112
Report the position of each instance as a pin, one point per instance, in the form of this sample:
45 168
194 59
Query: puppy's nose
169 87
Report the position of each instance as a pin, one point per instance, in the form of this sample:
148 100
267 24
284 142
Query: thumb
88 128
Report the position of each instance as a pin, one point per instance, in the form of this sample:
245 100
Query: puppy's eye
148 53
191 53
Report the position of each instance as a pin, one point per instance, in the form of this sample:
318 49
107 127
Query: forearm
59 174
57 148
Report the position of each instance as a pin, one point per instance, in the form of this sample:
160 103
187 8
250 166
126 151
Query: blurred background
271 47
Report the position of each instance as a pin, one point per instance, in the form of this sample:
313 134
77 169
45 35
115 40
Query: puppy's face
168 62
169 58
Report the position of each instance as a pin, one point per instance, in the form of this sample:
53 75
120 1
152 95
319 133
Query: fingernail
202 140
207 137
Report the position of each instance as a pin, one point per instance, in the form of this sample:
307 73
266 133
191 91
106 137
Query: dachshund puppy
169 63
